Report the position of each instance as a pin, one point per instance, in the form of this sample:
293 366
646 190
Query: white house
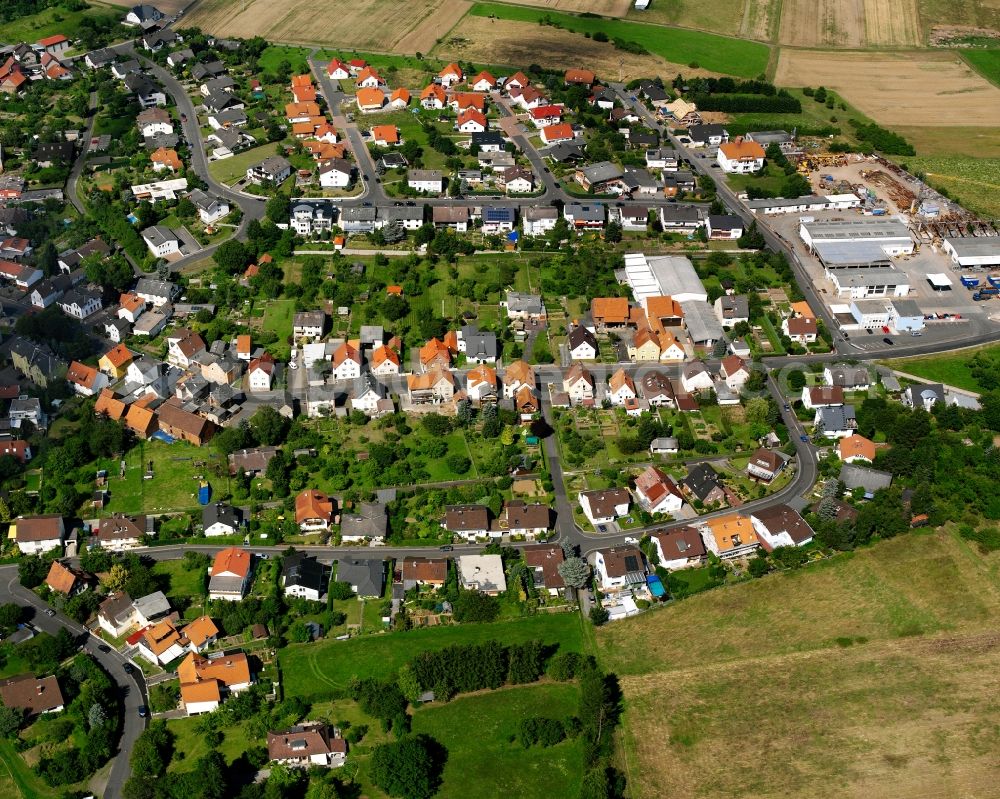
162 241
336 174
740 156
656 492
37 534
427 180
621 388
619 568
780 526
605 505
582 344
260 372
346 362
696 377
734 371
218 518
680 548
579 384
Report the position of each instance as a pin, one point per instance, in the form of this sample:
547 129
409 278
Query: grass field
278 318
951 369
722 16
975 182
375 25
712 52
487 763
985 62
865 675
316 671
229 170
183 584
190 745
173 486
51 21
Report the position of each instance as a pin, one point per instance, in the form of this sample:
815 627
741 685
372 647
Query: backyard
321 669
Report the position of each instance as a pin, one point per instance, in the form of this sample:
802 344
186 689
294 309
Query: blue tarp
163 437
204 493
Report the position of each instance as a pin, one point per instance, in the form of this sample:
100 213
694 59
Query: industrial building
859 284
663 275
983 251
891 235
798 205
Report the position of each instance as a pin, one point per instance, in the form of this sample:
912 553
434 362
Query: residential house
467 521
337 173
85 380
765 464
302 575
116 615
385 361
696 377
346 362
499 219
308 324
219 518
161 644
417 571
274 170
200 634
837 421
183 347
740 156
707 135
854 448
780 526
481 384
924 395
260 372
369 523
723 226
605 505
314 511
518 374
822 396
434 386
579 384
119 532
155 292
65 580
657 389
731 310
482 573
602 177
115 362
205 682
656 492
307 745
543 562
582 344
150 609
230 575
35 535
369 396
735 371
679 548
847 377
559 132
800 329
703 484
621 388
210 209
620 568
80 303
32 695
526 306
251 461
365 576
584 217
730 536
526 520
868 480
161 241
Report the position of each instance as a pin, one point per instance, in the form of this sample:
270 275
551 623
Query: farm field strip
892 23
822 23
908 85
710 51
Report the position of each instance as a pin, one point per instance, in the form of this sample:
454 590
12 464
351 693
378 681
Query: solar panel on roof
632 563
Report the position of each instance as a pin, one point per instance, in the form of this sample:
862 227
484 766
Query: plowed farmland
380 25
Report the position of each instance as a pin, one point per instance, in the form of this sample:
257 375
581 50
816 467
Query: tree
574 571
473 606
117 577
232 256
269 427
10 616
96 716
277 209
599 615
409 768
11 719
613 233
32 570
152 750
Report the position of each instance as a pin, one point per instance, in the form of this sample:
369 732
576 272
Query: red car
885 329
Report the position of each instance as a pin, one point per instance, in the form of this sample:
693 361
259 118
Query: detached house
314 511
218 518
36 535
680 548
582 344
730 536
656 492
605 505
765 464
780 526
620 568
205 682
302 575
468 521
230 575
120 532
161 644
621 388
579 384
306 745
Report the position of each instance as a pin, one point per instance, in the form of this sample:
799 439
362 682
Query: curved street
131 689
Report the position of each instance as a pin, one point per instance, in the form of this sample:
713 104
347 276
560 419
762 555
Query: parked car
50 612
888 341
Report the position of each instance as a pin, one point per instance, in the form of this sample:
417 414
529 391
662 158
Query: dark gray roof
219 512
370 521
871 480
601 172
701 480
304 570
366 574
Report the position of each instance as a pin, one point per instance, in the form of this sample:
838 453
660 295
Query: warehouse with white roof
891 235
663 275
983 251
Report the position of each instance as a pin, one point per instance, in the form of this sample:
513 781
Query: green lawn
190 745
710 51
487 763
952 369
17 780
51 21
183 584
985 62
316 671
173 486
278 319
229 170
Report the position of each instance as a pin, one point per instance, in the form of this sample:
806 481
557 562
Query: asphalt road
131 689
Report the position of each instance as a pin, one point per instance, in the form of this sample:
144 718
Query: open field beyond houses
378 25
872 675
931 89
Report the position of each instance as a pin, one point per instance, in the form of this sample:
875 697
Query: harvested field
606 8
721 16
760 19
822 23
893 23
168 7
482 40
935 89
405 28
866 675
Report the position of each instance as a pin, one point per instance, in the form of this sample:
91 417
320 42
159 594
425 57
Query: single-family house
230 575
620 568
679 548
656 492
605 505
